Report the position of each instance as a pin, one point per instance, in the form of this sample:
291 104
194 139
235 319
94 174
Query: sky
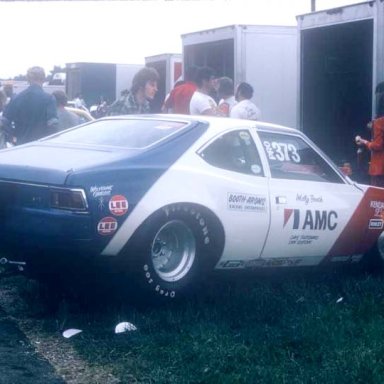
49 33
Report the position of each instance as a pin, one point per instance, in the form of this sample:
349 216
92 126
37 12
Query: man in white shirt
201 103
245 108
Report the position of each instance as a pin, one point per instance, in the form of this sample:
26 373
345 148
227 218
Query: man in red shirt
179 97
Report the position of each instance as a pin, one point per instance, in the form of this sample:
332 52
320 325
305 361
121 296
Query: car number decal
281 151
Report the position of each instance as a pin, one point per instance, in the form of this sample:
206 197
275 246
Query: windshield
125 133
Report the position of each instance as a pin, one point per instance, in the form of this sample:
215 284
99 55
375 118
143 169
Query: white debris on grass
71 332
125 327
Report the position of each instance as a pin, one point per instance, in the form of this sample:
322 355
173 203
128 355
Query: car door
240 192
312 205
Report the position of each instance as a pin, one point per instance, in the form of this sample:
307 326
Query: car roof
218 124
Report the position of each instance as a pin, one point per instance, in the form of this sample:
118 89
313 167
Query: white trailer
341 60
263 55
169 66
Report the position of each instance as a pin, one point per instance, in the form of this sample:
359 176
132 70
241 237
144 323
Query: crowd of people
33 113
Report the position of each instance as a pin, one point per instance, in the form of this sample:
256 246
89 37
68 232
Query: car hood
49 163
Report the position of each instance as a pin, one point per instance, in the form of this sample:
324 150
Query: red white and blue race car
169 198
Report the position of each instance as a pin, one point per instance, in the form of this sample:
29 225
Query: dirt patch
19 361
41 353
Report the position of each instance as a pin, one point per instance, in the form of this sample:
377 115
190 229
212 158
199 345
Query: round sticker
107 225
118 205
256 169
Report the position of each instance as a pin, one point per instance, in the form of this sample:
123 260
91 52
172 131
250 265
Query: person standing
32 114
136 101
66 118
376 145
201 103
245 108
180 96
226 93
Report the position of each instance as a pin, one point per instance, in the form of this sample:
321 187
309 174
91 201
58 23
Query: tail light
71 199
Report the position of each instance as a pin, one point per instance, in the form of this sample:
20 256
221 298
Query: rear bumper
28 234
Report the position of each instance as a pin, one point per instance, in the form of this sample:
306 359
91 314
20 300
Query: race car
166 199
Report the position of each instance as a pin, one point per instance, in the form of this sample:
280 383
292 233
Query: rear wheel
175 249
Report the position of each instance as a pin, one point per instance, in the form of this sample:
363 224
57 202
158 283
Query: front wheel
373 261
175 249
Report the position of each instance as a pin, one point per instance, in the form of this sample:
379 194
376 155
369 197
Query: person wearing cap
136 101
201 102
32 114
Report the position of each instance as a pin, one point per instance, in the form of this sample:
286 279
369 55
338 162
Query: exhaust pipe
19 264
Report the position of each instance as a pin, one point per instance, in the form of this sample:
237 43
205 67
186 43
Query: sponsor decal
311 219
101 204
118 205
346 259
275 262
307 199
302 239
378 206
107 226
376 224
256 169
246 202
355 238
232 264
103 190
245 136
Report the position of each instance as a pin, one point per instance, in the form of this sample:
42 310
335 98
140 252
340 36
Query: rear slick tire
175 250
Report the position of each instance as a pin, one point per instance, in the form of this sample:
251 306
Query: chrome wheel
173 251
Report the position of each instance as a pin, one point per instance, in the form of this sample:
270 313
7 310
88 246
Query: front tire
373 261
175 250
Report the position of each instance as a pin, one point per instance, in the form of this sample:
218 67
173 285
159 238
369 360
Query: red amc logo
118 205
107 225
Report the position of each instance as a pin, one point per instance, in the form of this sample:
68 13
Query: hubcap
173 250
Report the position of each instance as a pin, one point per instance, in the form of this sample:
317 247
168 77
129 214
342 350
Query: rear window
120 133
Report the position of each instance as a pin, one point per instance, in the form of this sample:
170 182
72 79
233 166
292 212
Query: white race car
168 198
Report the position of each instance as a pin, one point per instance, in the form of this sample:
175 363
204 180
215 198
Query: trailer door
336 87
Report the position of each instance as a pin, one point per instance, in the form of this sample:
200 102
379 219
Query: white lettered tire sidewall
201 226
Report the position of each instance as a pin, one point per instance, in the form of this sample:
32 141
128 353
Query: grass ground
291 328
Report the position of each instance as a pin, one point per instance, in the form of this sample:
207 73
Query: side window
234 151
290 157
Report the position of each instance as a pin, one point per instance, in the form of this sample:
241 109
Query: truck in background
264 56
341 60
169 67
99 81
